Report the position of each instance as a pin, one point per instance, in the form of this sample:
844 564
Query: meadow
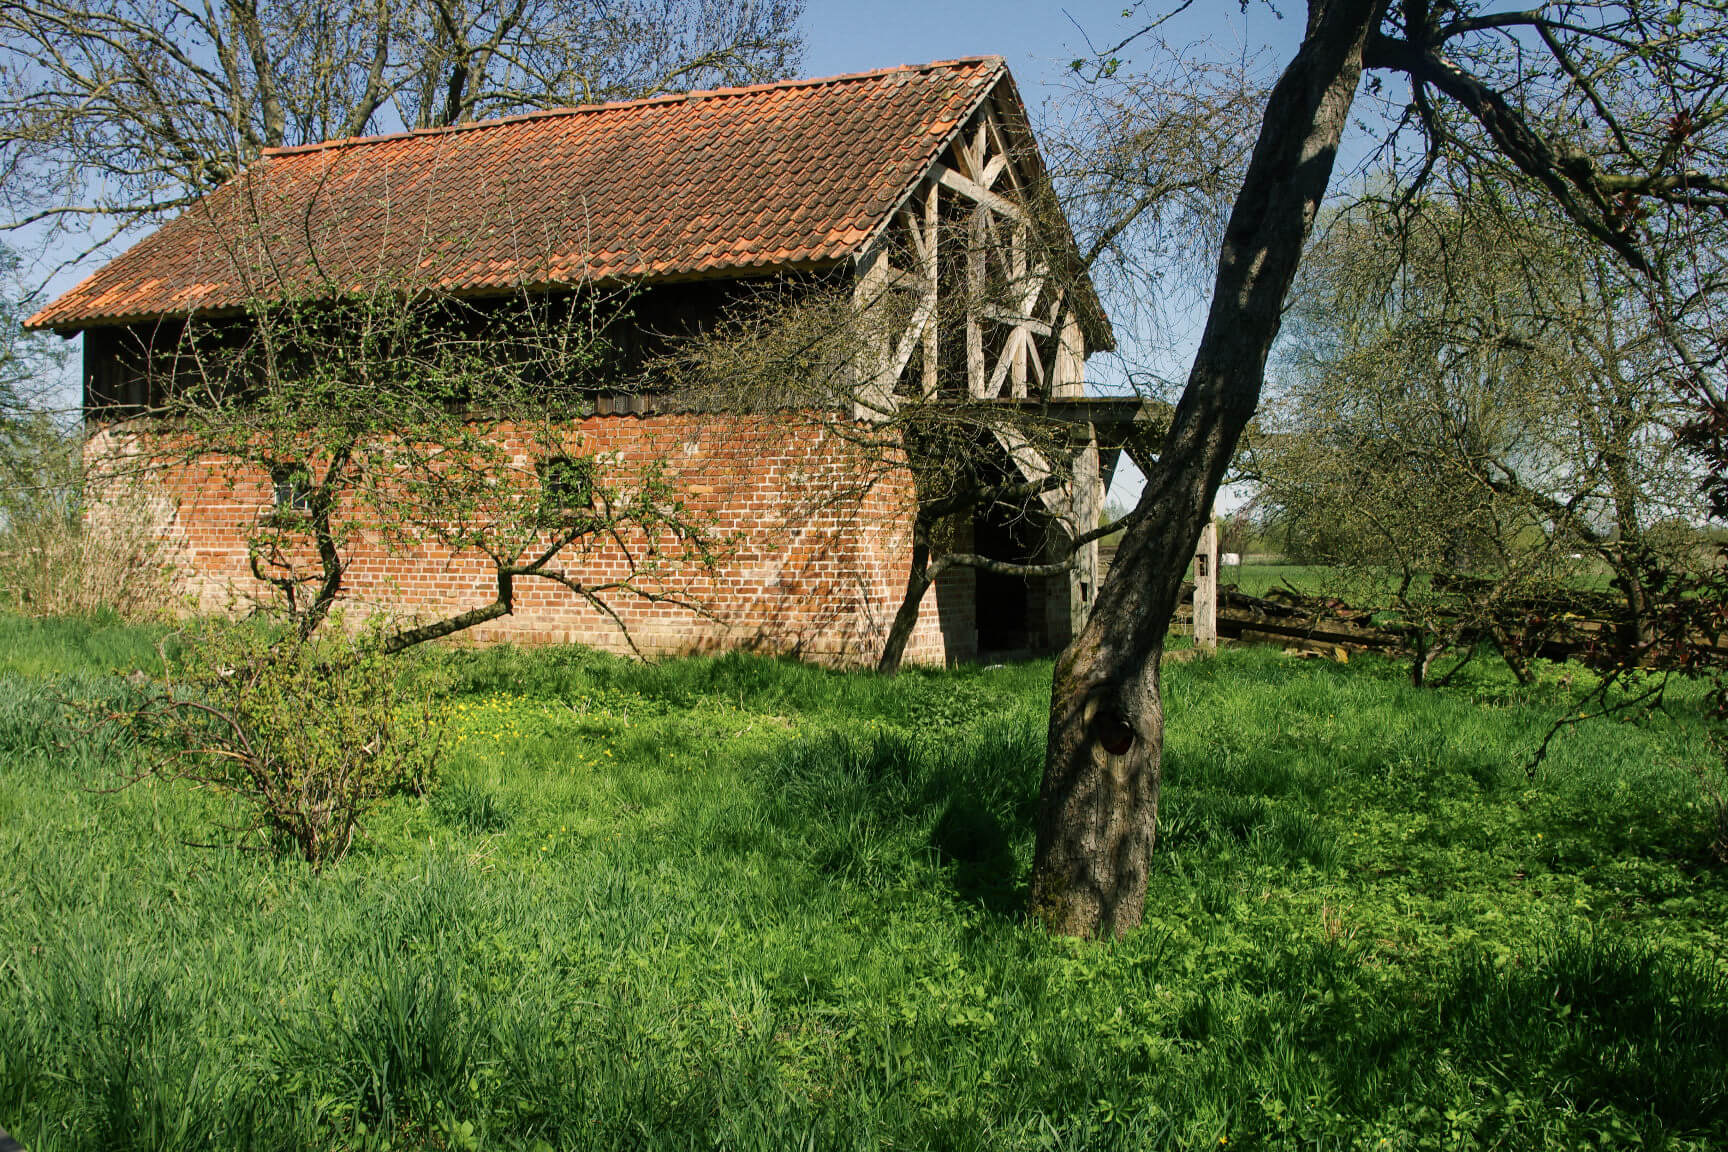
743 903
1259 579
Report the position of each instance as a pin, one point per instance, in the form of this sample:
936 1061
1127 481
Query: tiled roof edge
999 72
614 105
753 271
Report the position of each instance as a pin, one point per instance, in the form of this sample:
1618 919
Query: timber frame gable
980 261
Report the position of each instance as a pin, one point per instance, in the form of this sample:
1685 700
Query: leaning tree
1127 170
1612 110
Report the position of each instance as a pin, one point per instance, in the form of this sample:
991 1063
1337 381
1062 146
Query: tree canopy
113 112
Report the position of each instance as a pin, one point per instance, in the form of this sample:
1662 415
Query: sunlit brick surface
805 570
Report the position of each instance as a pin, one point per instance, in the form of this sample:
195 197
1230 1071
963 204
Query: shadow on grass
1582 1034
1605 1023
877 808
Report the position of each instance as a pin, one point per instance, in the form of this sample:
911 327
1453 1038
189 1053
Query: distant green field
1258 579
740 903
1321 579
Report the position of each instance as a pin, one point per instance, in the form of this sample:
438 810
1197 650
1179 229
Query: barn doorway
1011 609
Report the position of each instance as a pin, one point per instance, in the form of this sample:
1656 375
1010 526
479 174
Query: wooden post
974 300
1086 502
872 397
933 278
1206 587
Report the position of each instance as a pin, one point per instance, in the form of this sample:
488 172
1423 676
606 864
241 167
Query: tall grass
742 903
56 562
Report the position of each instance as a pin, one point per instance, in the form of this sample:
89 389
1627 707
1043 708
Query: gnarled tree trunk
1098 806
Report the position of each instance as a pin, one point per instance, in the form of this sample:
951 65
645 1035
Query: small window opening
567 483
293 487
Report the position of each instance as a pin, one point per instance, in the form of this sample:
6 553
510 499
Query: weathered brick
818 578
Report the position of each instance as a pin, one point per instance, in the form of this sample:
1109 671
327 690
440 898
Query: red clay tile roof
791 175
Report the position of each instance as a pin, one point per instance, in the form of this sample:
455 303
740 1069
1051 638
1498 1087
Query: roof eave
71 327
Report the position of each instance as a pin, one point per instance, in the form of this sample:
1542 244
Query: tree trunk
1428 648
1098 804
918 581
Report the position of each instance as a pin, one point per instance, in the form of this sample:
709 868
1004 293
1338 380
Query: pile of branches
1587 626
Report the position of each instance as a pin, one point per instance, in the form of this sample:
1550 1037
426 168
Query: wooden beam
968 161
1023 315
1000 139
930 245
870 400
893 277
1004 363
1069 376
1033 467
923 318
976 192
974 300
1206 586
914 232
930 240
1031 286
1016 275
1015 319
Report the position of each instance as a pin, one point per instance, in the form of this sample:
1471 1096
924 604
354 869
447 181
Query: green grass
1259 579
1326 580
742 903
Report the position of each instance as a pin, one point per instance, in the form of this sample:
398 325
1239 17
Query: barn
916 184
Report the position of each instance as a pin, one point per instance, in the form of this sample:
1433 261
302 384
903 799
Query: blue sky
1037 39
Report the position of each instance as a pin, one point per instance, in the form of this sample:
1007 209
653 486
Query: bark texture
1098 804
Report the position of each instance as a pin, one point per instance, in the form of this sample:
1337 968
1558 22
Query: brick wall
813 559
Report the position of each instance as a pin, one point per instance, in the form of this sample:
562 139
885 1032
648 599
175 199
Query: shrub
53 562
307 734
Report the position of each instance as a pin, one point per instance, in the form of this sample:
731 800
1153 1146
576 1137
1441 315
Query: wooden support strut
1019 343
930 253
876 280
1206 587
974 293
979 194
1001 161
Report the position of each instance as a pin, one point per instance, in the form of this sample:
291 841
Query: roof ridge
648 101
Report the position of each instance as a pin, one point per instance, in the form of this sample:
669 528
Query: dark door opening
1006 625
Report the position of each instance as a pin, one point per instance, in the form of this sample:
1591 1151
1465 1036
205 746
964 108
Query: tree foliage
1610 111
387 422
1143 162
799 355
1476 417
306 735
115 111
